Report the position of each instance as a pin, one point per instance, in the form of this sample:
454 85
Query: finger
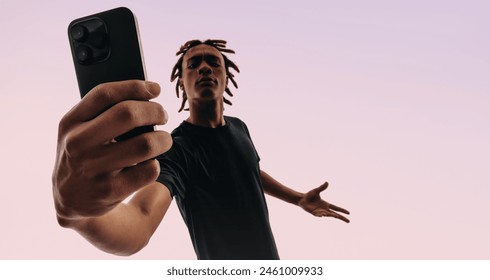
104 96
321 188
339 209
119 155
320 213
122 118
326 213
337 216
135 177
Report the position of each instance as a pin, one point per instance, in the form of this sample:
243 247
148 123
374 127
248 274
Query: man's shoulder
234 121
183 131
178 130
180 144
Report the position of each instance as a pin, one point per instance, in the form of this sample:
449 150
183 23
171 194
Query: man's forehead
202 50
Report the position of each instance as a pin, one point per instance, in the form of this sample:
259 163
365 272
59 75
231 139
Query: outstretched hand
312 202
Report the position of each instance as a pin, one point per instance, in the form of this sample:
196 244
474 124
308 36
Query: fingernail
152 87
166 115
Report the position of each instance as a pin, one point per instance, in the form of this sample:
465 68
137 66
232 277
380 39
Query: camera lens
83 53
79 33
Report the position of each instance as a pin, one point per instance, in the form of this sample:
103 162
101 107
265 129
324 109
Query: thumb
321 188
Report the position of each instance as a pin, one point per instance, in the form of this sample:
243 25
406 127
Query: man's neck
209 114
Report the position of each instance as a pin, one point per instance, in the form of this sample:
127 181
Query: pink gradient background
387 100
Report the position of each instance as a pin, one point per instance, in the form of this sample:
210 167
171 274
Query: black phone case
112 42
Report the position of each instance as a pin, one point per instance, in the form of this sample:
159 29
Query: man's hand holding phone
93 173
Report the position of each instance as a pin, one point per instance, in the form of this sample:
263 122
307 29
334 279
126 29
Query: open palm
312 202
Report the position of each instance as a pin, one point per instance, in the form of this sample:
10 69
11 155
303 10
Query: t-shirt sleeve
245 128
171 171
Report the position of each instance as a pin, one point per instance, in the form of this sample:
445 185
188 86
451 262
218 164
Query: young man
212 167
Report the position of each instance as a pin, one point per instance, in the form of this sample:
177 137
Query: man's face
203 73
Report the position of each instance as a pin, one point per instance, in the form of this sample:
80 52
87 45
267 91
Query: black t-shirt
214 175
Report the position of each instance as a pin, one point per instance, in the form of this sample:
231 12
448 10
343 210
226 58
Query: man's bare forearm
276 189
114 232
128 227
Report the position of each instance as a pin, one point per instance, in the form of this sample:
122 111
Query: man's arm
310 201
276 189
93 174
127 228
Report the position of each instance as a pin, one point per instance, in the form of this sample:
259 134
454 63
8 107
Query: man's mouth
206 81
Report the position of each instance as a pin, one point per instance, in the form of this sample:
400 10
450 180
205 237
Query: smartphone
106 48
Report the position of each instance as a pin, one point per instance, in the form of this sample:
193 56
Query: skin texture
93 174
204 82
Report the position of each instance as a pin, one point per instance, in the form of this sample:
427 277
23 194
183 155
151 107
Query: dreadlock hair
220 45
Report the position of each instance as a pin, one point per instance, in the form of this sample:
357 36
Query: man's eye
191 65
214 62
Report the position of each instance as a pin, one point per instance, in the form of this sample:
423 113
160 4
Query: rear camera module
90 41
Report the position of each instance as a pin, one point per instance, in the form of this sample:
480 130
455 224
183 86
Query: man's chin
208 94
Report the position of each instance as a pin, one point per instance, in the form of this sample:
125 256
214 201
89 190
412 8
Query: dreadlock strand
187 44
184 48
227 101
175 70
226 50
233 81
215 43
184 99
227 90
177 88
233 65
231 77
218 41
220 46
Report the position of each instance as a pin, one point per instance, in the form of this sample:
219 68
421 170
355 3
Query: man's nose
205 70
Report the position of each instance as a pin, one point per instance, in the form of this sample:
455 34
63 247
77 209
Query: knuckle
153 170
138 86
126 113
160 113
72 144
103 94
113 90
147 144
135 88
63 125
147 173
